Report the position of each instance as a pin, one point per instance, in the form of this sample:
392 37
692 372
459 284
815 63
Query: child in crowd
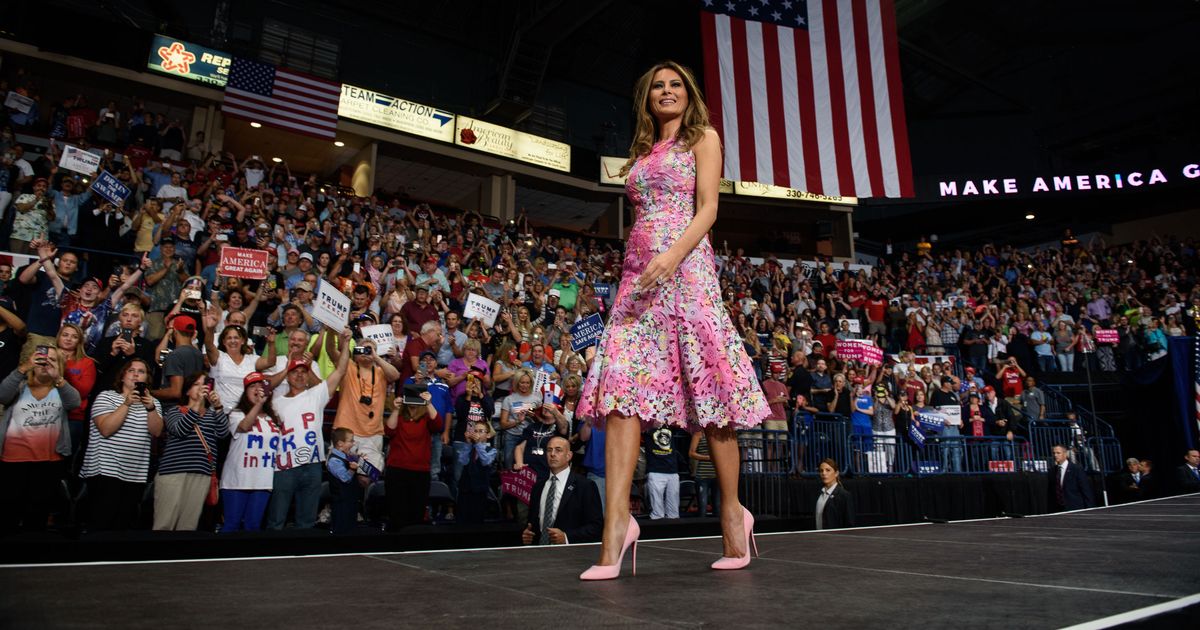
343 489
476 462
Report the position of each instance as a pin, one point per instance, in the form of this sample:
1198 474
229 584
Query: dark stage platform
1039 572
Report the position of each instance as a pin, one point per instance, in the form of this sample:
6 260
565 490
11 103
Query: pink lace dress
669 353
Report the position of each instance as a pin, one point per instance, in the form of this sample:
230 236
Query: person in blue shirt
67 201
439 390
862 411
343 489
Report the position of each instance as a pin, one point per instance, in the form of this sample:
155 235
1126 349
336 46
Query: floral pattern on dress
670 353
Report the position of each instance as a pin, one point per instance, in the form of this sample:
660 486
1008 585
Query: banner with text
586 332
110 188
382 335
332 307
189 61
78 160
518 483
510 143
396 113
242 262
479 307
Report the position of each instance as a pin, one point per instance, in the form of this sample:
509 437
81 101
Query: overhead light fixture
1030 217
338 143
276 160
256 125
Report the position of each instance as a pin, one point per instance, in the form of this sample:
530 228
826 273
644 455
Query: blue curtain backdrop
1181 351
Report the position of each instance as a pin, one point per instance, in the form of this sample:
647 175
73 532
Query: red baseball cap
297 363
989 388
252 378
970 369
858 380
183 323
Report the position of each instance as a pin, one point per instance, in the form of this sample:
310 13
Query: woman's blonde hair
79 353
695 117
524 373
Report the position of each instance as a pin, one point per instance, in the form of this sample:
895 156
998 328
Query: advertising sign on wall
396 113
510 143
189 61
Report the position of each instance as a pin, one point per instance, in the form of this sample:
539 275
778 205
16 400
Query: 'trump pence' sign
479 307
382 335
332 307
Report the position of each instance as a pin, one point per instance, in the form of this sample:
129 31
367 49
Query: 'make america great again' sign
999 187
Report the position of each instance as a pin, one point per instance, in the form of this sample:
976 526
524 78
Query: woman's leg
233 503
622 438
727 459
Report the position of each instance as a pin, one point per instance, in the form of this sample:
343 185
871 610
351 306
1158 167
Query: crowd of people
125 371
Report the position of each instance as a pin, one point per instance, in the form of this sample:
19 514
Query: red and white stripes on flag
282 98
807 95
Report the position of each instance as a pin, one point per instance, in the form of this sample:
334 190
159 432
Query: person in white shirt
171 194
301 408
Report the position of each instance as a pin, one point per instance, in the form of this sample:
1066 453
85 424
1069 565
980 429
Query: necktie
1058 488
1196 473
551 509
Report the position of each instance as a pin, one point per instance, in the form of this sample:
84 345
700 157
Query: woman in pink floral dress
670 354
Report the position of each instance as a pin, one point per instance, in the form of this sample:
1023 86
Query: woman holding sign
670 354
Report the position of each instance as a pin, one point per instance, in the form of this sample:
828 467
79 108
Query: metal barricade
768 461
1104 454
1044 434
826 435
880 455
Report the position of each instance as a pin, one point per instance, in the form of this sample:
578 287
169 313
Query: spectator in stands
1065 343
663 460
407 476
369 377
1043 346
117 462
1033 401
79 370
246 478
343 466
1070 488
835 504
565 507
298 456
1187 476
475 462
34 216
515 411
195 427
1128 481
35 442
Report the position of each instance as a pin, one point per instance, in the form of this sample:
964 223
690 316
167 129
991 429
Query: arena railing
820 436
969 455
880 455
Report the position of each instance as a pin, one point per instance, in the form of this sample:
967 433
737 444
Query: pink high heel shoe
611 571
732 564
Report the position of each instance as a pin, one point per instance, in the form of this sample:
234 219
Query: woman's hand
214 400
661 268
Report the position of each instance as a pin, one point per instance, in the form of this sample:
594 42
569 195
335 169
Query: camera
366 400
140 388
361 351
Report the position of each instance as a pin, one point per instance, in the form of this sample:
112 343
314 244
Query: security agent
565 507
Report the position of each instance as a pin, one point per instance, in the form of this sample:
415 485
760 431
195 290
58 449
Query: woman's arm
692 452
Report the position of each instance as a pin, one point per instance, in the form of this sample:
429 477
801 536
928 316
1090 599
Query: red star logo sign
176 58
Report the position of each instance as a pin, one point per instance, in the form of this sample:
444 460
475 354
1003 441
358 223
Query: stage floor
1040 572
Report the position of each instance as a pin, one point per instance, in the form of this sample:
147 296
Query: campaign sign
1107 335
108 186
332 307
586 332
541 380
518 483
479 307
78 160
382 335
603 289
863 350
930 423
242 262
18 102
872 354
854 327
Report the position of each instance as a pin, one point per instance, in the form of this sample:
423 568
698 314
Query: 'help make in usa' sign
108 186
586 332
242 262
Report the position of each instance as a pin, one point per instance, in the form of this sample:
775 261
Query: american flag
807 94
1196 382
282 98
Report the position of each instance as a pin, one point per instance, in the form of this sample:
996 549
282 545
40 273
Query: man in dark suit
564 507
1128 482
1187 476
1070 488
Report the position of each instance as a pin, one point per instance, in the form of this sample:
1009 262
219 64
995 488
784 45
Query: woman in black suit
835 505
